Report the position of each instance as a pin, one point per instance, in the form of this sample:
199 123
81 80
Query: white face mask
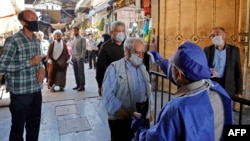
135 60
120 37
173 74
1 43
217 40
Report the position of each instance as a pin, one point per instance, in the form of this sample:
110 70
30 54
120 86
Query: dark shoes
80 89
61 89
75 88
52 90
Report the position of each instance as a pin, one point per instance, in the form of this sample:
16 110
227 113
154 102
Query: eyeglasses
213 35
139 53
174 67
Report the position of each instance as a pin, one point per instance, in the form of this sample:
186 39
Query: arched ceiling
66 4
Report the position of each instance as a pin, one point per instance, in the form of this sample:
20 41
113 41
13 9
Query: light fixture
49 5
135 24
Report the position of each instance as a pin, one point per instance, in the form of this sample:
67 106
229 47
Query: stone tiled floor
72 115
68 115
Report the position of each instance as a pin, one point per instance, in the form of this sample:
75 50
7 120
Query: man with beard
57 58
78 56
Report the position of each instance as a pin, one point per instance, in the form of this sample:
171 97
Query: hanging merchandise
146 30
146 7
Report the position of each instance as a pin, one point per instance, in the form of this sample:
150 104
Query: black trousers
45 67
219 80
92 58
25 111
120 130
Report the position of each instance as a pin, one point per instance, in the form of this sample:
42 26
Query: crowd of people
205 80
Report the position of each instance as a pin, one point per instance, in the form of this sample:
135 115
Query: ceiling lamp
49 5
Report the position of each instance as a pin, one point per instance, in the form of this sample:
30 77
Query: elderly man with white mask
126 89
57 58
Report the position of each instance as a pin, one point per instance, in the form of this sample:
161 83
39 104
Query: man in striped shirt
21 63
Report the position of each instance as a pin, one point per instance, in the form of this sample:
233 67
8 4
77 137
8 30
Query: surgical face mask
120 37
32 25
217 40
175 72
2 43
173 69
135 60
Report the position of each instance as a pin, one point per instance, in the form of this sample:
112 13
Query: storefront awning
6 8
59 26
8 18
99 8
81 3
9 24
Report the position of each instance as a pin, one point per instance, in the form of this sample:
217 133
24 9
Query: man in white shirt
92 51
44 49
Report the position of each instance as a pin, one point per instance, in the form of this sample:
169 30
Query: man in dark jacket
111 50
105 37
224 61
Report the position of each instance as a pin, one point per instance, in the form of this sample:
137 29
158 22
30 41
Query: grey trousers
78 66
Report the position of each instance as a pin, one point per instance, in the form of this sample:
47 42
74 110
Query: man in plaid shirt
21 63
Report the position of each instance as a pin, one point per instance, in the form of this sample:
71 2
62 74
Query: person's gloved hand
155 57
137 124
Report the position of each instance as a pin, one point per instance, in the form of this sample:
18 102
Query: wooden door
192 20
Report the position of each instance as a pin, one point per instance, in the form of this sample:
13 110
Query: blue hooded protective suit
189 116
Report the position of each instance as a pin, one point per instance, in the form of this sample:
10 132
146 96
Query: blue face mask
31 25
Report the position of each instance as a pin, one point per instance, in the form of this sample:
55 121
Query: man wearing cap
201 106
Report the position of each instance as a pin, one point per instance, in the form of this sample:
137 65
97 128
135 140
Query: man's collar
224 47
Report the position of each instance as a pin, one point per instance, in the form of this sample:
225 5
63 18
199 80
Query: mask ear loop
173 65
25 22
151 56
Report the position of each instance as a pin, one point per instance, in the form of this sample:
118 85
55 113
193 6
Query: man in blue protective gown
201 107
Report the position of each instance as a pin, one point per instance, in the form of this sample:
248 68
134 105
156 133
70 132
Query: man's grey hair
129 42
117 23
41 33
